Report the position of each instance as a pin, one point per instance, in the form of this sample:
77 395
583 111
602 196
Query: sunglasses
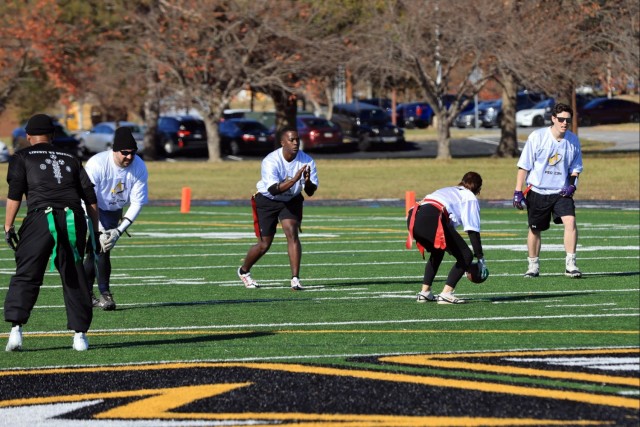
564 119
128 153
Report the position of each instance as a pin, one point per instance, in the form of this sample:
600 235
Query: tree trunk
151 114
444 136
286 111
508 146
571 93
213 139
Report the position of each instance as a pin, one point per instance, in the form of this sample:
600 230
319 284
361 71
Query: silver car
100 137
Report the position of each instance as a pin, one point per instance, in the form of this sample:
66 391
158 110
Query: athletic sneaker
428 297
449 298
95 301
15 339
106 301
248 282
534 268
80 342
572 269
296 285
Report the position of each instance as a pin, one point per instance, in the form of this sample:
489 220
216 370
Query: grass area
606 177
175 280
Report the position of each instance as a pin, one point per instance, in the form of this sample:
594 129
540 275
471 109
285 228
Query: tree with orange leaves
27 33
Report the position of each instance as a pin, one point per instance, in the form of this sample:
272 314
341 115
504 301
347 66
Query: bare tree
445 47
556 52
208 51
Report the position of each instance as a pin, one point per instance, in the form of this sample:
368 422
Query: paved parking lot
483 142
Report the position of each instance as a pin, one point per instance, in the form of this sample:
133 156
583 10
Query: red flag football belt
439 241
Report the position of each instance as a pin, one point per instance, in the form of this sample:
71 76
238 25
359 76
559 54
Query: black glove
11 237
96 242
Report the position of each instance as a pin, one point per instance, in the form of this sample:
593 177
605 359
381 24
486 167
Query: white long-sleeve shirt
115 186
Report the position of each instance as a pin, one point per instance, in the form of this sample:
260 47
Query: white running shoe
248 282
80 342
449 298
15 339
426 297
296 285
534 268
571 269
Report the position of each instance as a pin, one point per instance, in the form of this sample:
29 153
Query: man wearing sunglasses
550 164
120 178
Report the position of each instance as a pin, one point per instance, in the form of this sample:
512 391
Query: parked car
100 137
534 116
4 152
605 110
177 134
466 118
414 114
384 103
62 140
581 99
491 114
368 125
235 113
267 118
243 136
318 133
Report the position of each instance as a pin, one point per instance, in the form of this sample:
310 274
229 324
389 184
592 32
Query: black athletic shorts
270 211
542 207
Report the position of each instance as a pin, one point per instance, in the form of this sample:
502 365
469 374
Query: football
474 273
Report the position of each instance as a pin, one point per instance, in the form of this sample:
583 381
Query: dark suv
177 134
370 126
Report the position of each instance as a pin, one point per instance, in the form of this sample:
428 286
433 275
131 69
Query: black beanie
40 124
124 140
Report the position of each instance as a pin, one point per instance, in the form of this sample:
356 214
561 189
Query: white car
100 137
4 152
534 116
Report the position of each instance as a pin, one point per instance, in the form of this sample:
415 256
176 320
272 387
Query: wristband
122 227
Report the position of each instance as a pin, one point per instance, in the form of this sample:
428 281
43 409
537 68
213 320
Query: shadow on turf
191 340
208 302
530 297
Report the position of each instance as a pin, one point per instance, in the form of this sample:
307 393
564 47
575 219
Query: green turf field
179 300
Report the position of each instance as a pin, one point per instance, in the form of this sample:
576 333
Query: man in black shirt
54 184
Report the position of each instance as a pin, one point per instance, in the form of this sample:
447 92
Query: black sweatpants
32 259
424 231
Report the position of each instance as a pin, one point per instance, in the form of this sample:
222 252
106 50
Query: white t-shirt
276 169
550 162
116 186
462 205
